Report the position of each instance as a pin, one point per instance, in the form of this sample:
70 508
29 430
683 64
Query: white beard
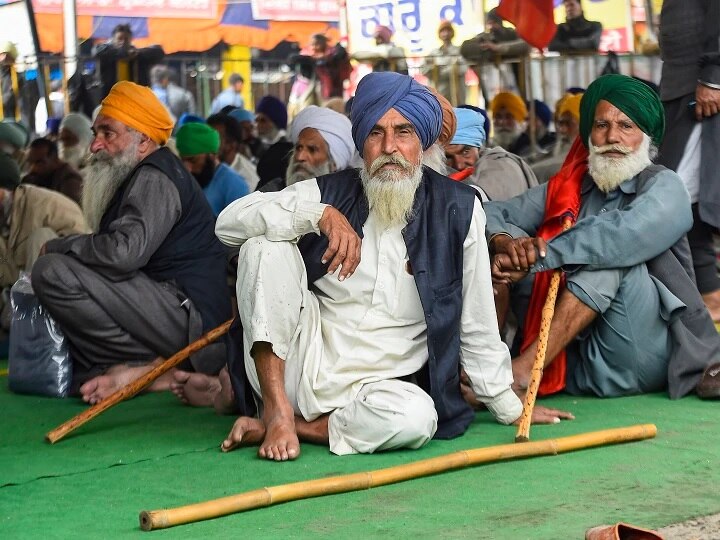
103 176
608 172
391 192
434 158
504 139
297 172
75 156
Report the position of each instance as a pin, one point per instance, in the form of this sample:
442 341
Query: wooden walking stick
548 310
137 385
161 519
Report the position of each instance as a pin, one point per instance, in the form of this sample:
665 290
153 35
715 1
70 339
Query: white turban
334 127
80 125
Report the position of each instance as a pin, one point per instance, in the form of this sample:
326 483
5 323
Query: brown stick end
50 438
522 438
146 523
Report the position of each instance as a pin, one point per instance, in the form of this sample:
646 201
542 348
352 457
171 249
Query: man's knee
596 288
386 415
49 273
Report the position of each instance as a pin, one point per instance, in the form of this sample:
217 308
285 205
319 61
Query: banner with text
170 9
296 10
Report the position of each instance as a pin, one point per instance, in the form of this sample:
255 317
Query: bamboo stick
137 385
548 310
267 496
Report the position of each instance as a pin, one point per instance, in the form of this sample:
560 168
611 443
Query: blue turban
378 92
470 130
187 118
242 115
542 111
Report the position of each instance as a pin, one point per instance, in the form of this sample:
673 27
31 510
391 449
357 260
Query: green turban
635 98
196 138
13 133
9 172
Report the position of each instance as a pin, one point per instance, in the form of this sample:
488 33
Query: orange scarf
563 201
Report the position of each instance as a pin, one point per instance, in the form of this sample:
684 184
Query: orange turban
569 103
512 102
449 120
138 108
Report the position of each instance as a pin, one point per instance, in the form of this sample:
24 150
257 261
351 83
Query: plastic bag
38 360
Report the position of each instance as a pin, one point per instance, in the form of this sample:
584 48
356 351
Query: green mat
152 453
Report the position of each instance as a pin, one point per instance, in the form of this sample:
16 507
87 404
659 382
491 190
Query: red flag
533 19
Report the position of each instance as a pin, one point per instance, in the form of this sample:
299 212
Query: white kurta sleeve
280 216
483 355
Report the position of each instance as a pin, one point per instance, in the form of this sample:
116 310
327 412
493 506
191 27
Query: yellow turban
569 103
512 102
137 107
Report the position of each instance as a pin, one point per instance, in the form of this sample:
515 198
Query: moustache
392 159
620 148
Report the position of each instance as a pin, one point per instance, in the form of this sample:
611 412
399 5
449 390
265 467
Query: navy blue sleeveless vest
191 255
434 238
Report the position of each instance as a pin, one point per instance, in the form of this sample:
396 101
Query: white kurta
372 324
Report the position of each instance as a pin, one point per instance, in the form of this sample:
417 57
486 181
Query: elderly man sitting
151 277
198 145
74 139
617 316
353 343
509 113
323 144
498 173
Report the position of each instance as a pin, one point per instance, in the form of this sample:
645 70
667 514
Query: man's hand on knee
343 243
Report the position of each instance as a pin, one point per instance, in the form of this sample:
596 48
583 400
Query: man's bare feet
225 399
119 376
281 442
196 389
246 431
712 301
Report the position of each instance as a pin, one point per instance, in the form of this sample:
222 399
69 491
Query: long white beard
608 172
297 172
391 192
434 158
73 155
504 138
103 176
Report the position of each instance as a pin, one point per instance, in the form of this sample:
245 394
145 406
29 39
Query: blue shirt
225 98
609 233
225 187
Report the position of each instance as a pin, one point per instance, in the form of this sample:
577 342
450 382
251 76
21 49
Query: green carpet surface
152 452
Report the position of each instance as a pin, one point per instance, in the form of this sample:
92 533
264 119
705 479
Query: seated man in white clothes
363 292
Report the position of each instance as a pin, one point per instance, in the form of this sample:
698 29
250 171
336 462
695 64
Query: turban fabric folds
449 121
80 125
378 92
137 107
383 32
195 138
242 115
542 111
569 103
634 98
335 129
274 109
470 130
512 102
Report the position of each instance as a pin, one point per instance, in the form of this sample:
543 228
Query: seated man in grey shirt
618 310
151 277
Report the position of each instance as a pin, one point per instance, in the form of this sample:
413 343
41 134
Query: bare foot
225 399
712 301
246 431
119 376
281 441
196 389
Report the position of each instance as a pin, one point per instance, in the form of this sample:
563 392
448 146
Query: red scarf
563 201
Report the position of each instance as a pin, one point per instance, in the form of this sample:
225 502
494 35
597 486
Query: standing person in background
178 100
120 60
19 96
576 34
231 96
690 90
332 66
385 56
271 119
445 67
